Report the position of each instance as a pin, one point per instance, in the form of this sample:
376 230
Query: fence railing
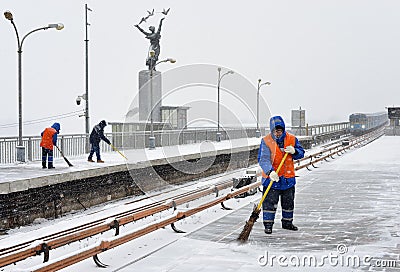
314 130
74 144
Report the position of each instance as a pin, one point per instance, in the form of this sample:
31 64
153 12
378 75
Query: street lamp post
258 133
8 15
218 85
87 123
153 64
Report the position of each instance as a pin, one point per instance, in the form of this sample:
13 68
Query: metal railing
74 144
314 130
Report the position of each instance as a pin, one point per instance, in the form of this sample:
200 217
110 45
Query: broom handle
270 184
60 151
119 152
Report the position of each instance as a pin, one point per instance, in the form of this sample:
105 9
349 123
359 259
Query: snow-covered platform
24 176
347 212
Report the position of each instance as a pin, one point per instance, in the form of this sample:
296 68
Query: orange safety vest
47 138
277 154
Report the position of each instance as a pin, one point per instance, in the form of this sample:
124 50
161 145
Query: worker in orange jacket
49 140
271 152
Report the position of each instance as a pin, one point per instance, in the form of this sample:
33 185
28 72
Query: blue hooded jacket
57 127
264 155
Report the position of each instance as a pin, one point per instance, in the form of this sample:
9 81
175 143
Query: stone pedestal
146 87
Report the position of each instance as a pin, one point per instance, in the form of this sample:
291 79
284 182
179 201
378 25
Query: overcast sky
332 58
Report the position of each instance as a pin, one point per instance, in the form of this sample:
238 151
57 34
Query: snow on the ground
350 203
164 250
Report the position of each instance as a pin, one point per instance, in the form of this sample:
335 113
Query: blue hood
276 121
273 123
56 126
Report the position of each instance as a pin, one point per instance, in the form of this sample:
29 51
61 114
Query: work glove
274 176
290 149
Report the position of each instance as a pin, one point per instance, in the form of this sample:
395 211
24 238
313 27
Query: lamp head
259 80
56 26
59 26
8 15
152 53
268 83
171 60
219 69
231 72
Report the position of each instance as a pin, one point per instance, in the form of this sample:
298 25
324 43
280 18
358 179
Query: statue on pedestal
154 38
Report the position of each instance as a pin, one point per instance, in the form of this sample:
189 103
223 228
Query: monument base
150 95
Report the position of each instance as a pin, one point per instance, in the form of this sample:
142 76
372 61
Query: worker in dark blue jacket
95 137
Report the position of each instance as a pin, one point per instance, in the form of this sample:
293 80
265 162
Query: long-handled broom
244 235
65 159
113 147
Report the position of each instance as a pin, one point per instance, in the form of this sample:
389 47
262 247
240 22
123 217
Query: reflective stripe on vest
277 154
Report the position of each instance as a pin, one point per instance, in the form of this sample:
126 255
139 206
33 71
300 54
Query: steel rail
7 250
24 250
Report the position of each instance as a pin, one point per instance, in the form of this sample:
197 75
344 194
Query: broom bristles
244 235
68 162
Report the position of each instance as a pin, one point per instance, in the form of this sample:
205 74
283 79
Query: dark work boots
289 226
268 230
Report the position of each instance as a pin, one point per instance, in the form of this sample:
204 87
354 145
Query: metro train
361 123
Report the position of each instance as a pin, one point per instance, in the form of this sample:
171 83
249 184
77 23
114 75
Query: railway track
26 249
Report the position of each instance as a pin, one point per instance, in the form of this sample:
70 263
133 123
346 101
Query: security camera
78 100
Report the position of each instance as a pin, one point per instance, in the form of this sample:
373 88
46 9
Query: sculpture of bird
165 12
151 13
142 20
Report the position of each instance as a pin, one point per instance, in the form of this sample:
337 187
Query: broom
119 152
244 235
65 159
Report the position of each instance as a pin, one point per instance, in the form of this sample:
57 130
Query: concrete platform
25 176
